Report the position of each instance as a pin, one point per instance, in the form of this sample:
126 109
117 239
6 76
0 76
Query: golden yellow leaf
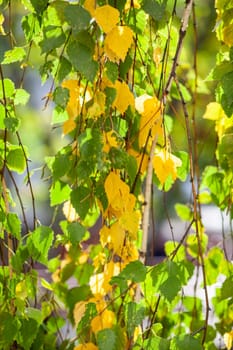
99 260
99 283
116 190
79 311
129 252
86 346
78 96
117 43
90 6
165 164
105 320
109 141
117 234
2 32
228 340
129 221
151 117
107 17
98 106
124 97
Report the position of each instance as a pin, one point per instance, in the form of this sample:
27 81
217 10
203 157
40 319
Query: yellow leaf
79 311
78 96
129 252
132 4
107 17
99 283
86 346
151 118
130 222
21 290
214 111
124 97
117 235
90 5
228 340
2 32
118 42
165 164
109 141
116 190
105 320
98 106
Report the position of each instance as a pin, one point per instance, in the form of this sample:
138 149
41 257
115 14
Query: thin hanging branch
147 195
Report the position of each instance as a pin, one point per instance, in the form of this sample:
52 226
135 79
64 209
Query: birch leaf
107 17
118 42
124 97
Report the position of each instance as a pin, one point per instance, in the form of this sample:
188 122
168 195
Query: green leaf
227 97
77 17
39 5
134 315
28 332
76 232
53 38
106 339
84 324
13 225
134 271
171 246
9 327
112 71
76 294
80 199
81 58
59 192
61 165
17 54
35 314
155 9
8 90
64 68
59 115
182 342
183 211
39 243
183 170
170 288
227 288
61 96
21 97
11 123
156 342
16 160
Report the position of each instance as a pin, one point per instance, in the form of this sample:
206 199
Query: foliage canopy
122 81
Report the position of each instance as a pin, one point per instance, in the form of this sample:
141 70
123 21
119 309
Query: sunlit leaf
79 311
124 97
16 160
86 346
107 17
105 320
117 43
165 165
228 340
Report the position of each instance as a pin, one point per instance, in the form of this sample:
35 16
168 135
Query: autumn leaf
117 43
165 164
109 141
98 106
86 346
90 6
116 190
78 95
105 320
124 97
151 118
107 17
113 236
69 212
129 221
79 311
228 340
99 283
